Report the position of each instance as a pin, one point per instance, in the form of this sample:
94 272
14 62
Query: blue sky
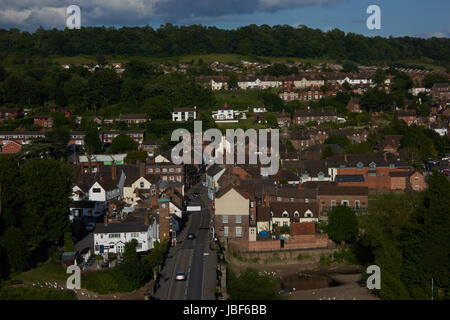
399 17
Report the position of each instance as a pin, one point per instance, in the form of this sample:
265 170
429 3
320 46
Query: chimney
105 221
385 156
147 218
267 200
345 157
113 172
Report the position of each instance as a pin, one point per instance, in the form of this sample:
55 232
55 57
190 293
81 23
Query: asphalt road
189 257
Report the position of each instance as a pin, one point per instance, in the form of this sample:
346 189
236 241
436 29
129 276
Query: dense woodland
170 40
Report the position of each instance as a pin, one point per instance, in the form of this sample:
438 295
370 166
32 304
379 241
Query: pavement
191 256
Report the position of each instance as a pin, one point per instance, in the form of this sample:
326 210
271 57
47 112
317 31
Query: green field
239 98
49 271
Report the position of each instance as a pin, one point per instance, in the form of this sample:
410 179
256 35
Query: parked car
181 276
190 236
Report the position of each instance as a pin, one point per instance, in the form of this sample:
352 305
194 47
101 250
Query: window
360 165
296 214
96 190
164 170
238 232
333 204
157 170
238 219
114 235
357 204
171 170
135 235
292 200
150 170
224 219
225 231
285 215
142 184
308 214
344 203
285 224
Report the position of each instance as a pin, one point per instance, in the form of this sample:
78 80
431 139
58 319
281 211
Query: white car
180 276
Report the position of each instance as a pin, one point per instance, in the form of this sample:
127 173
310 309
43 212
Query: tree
232 81
380 77
136 155
68 244
433 212
132 268
92 141
101 60
349 66
430 79
123 143
327 152
250 285
272 120
342 224
11 203
340 140
47 187
14 242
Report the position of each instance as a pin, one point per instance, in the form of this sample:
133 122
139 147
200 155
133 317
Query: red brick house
10 114
409 116
356 198
11 147
43 121
302 117
412 180
371 171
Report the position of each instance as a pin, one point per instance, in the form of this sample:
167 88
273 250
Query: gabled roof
262 214
291 192
350 178
278 208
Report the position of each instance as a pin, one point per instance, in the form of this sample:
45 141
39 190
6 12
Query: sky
417 18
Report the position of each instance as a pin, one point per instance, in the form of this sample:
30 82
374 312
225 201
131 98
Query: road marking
188 274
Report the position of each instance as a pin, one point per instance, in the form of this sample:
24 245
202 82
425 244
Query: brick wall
220 226
294 243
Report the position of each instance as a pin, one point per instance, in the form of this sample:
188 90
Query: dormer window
321 175
360 165
296 214
392 166
308 214
372 165
342 166
285 215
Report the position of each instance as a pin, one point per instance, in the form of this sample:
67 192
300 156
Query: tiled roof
277 208
345 191
120 227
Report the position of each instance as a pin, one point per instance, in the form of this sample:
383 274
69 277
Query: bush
34 293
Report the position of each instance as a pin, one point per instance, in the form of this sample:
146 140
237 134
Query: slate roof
350 178
120 227
278 208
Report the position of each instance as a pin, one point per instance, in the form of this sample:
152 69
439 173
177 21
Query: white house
84 208
131 184
184 114
112 237
224 113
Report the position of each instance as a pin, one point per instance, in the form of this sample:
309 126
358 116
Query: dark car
191 236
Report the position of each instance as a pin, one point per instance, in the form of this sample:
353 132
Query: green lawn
239 98
49 271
